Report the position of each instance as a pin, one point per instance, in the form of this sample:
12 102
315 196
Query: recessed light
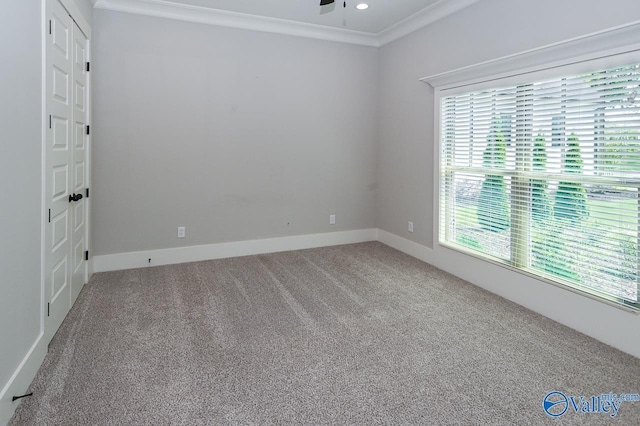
362 6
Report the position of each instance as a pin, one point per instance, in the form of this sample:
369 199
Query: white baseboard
140 259
21 379
406 246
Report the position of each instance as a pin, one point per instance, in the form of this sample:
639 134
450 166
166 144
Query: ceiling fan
331 4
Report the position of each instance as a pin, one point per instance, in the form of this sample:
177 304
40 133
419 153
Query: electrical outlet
332 219
182 231
410 226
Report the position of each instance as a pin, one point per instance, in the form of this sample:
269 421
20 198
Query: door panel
78 217
59 281
78 256
66 164
60 182
79 135
80 161
78 186
60 131
59 231
60 84
58 155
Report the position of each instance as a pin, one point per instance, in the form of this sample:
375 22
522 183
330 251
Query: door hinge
50 119
86 255
48 309
87 192
49 215
88 66
88 129
49 26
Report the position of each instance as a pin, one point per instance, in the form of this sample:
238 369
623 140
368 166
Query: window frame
607 59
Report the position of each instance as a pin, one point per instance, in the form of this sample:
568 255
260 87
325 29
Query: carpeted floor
355 334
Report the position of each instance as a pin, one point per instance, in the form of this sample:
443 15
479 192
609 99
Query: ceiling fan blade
326 2
327 9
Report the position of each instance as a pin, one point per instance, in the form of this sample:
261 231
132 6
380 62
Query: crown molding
610 42
427 16
205 15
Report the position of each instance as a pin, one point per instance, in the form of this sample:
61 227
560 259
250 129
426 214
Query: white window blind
545 176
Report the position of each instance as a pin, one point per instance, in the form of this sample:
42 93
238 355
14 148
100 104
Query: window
544 176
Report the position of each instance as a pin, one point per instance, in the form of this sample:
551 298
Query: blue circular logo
555 404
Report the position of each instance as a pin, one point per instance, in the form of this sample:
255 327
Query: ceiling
383 22
381 14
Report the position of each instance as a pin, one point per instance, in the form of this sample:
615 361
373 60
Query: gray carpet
355 334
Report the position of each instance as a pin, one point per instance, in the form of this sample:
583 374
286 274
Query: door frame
85 27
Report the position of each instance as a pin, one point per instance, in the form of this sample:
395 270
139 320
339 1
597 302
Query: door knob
75 197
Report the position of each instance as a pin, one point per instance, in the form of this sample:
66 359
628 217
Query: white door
80 163
66 164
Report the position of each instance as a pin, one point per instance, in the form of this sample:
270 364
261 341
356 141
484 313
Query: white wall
487 30
86 9
235 134
20 192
